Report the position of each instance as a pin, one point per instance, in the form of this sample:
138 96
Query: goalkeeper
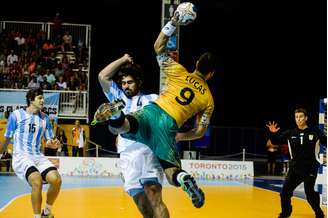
156 125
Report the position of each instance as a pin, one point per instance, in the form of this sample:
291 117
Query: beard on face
128 92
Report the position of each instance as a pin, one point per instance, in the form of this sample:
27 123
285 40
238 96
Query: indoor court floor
85 197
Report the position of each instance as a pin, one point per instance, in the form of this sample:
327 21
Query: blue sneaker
195 193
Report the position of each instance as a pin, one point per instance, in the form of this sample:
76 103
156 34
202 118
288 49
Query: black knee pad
134 125
46 171
29 171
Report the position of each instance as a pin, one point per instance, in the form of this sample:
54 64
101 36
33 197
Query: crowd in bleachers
36 61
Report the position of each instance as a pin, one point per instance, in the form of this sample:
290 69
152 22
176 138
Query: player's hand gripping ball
185 13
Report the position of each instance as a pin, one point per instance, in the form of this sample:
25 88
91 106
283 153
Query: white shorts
22 162
138 166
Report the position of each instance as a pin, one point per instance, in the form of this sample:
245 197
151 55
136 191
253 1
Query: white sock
180 177
37 215
47 209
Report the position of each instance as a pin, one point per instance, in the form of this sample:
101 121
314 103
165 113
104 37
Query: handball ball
187 13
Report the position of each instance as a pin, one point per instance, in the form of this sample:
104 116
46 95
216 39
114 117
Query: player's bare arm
109 71
202 123
163 37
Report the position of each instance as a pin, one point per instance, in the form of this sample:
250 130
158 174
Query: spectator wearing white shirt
11 58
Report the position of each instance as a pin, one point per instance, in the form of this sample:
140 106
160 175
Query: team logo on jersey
311 137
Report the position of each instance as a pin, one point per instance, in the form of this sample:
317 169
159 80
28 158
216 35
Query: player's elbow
157 48
101 77
200 132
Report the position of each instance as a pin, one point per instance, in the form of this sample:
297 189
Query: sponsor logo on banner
10 101
219 170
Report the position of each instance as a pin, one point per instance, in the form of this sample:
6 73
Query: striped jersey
131 104
27 130
184 94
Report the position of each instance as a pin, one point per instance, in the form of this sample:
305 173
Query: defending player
304 143
27 127
141 170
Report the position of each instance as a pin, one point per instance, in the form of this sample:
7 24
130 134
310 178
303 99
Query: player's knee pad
46 171
29 171
134 125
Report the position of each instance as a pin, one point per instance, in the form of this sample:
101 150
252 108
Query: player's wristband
168 29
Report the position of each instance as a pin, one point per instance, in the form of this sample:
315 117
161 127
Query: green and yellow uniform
183 96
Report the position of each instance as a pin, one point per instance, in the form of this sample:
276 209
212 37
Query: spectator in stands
304 145
6 157
7 154
20 40
61 83
11 58
45 85
65 63
57 27
67 41
47 48
78 135
50 77
59 71
73 83
34 82
272 151
61 136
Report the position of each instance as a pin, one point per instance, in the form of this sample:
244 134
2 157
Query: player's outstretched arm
167 31
273 126
105 76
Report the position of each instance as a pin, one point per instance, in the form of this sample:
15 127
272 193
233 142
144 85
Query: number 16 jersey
184 94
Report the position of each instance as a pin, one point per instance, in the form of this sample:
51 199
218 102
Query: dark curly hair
31 94
133 70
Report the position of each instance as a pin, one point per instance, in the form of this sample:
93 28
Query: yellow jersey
184 94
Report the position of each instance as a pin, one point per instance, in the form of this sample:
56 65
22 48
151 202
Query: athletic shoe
195 193
320 215
281 215
108 111
47 216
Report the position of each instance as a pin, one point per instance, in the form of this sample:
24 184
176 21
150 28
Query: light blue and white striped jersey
131 104
27 130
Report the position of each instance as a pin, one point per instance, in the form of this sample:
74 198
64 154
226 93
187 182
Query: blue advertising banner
10 101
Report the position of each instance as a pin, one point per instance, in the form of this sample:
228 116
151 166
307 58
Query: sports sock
180 177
